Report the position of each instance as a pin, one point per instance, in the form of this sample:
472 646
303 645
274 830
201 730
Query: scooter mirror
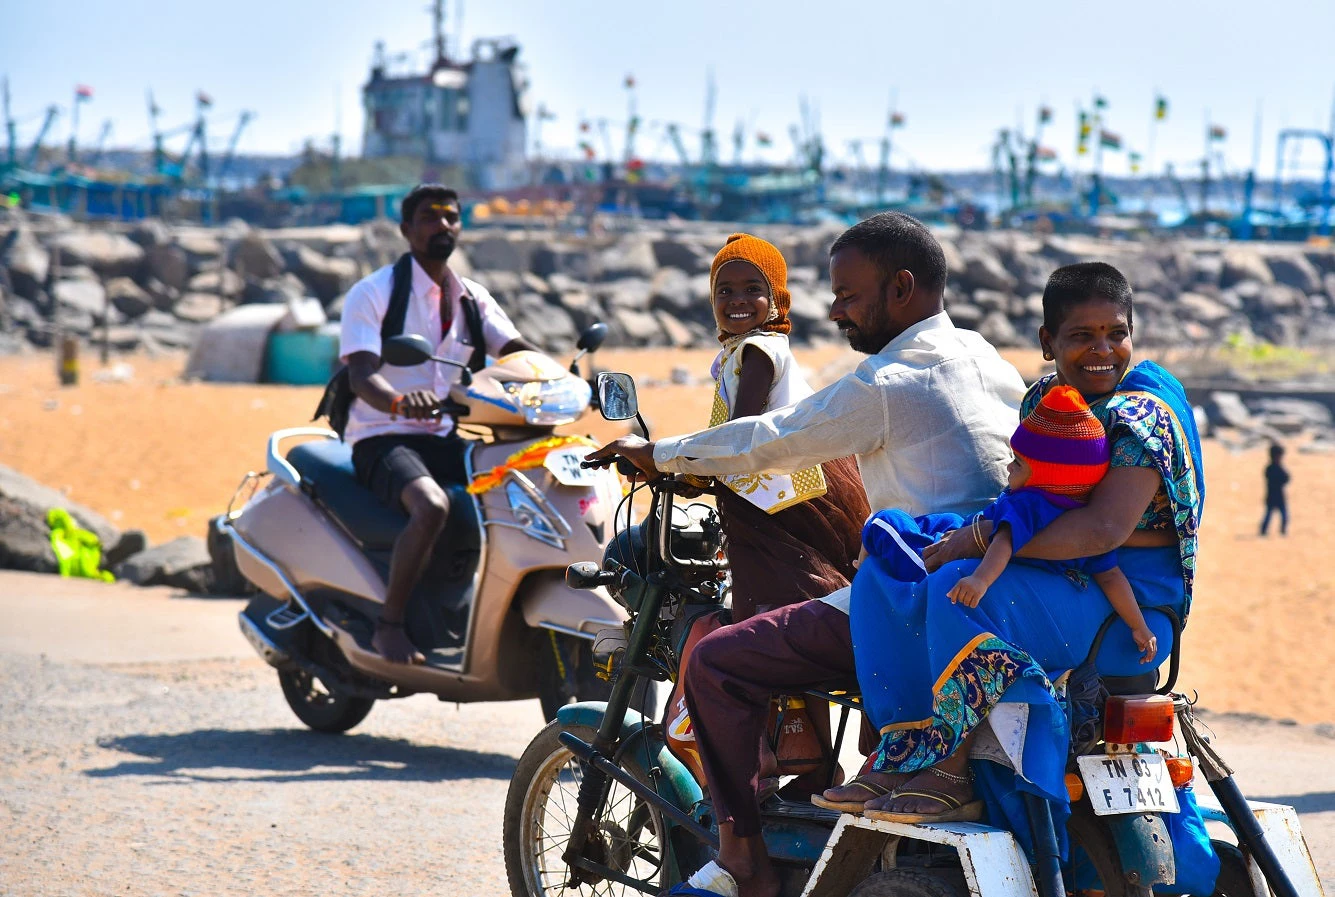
405 350
592 337
616 396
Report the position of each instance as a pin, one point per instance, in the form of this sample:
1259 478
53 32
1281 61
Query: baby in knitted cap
1061 454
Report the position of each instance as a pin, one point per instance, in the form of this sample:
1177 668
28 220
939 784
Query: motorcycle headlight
549 403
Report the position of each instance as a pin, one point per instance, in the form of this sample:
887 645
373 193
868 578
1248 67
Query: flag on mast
83 92
1160 108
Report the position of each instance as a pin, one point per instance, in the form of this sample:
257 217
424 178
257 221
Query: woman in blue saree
931 671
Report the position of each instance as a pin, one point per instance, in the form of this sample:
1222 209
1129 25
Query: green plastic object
301 357
78 551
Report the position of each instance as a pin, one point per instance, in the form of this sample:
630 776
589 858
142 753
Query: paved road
148 752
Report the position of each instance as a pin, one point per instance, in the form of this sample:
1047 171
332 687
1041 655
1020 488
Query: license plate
564 465
1128 783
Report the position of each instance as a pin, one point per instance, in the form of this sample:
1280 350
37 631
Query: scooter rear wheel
540 807
318 707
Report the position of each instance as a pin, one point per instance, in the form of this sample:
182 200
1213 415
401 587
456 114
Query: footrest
286 617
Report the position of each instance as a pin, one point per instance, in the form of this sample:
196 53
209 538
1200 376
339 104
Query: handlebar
677 484
624 466
451 408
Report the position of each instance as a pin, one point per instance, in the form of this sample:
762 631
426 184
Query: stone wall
155 285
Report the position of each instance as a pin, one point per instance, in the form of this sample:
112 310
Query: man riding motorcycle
403 448
929 417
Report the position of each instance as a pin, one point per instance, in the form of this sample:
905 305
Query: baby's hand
1146 642
968 591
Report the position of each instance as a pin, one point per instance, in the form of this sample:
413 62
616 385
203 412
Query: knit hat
746 248
1064 445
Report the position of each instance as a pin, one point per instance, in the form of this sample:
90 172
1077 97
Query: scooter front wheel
318 707
629 835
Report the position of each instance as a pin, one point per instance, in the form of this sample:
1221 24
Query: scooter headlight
550 403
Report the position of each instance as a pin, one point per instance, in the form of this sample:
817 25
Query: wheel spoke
627 835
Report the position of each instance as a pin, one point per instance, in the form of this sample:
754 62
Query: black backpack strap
473 318
399 293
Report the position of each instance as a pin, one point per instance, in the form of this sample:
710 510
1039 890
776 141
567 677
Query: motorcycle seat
328 477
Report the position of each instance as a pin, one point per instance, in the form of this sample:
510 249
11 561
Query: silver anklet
958 780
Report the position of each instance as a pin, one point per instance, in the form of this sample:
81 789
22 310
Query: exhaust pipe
264 646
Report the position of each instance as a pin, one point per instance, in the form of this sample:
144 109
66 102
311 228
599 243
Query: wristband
394 405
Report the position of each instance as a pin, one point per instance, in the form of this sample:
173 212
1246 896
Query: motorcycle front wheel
629 834
318 707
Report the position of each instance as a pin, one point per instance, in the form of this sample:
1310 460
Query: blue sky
959 69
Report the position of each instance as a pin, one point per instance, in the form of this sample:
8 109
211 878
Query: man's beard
872 336
440 247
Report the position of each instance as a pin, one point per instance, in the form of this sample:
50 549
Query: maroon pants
731 675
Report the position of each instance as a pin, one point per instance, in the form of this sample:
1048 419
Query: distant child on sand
1061 454
1276 478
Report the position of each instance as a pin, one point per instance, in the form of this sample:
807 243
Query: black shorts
386 464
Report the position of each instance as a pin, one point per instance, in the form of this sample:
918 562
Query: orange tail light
1128 719
1181 770
1075 788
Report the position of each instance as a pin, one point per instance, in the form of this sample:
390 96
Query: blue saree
931 671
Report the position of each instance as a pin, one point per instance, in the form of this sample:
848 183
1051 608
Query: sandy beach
162 455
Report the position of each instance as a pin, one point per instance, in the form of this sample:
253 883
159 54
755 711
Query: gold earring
1047 356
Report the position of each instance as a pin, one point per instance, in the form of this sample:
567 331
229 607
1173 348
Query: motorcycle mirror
405 350
616 396
592 337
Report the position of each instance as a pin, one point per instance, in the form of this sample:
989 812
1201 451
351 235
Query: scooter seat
328 477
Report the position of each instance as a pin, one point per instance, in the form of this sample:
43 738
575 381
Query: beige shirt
929 418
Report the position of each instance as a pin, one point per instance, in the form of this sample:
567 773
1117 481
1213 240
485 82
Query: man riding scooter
403 447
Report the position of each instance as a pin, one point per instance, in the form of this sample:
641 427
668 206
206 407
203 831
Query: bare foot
393 644
762 882
958 787
865 786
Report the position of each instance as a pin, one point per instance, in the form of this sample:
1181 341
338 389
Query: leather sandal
953 809
874 790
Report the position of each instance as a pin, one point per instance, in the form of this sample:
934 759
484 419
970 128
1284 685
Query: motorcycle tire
1092 836
1234 879
540 806
566 674
905 883
319 708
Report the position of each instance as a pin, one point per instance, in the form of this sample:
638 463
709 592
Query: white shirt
365 308
929 417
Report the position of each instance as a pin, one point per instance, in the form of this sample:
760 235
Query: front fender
674 783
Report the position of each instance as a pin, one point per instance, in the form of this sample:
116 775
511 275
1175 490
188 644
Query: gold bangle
978 535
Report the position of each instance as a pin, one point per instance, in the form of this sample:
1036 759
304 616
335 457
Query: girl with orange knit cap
790 536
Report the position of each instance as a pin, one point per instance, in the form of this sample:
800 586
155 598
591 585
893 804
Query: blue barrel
301 357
